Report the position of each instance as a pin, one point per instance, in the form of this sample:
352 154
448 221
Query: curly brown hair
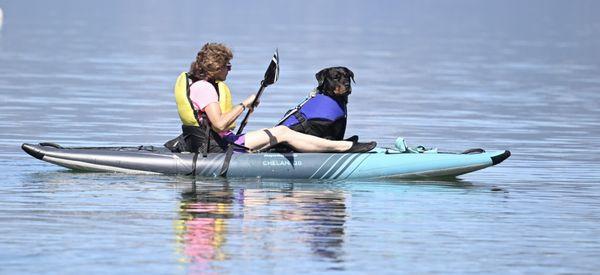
210 59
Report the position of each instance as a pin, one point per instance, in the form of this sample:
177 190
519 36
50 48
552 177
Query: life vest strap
301 120
207 130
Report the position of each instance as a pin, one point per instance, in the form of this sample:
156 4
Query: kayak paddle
271 76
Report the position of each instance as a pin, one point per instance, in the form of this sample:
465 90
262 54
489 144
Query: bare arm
220 121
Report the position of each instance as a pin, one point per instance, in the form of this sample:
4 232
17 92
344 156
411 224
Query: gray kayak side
380 163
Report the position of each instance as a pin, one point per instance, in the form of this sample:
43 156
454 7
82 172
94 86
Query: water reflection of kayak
379 163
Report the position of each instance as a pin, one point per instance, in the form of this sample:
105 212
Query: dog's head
335 82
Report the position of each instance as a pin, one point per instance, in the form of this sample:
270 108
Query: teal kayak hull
379 163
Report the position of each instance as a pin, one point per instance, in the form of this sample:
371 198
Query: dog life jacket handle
294 110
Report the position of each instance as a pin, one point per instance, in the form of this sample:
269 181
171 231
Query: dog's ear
321 77
349 73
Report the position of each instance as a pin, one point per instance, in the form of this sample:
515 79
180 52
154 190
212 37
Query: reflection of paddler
201 227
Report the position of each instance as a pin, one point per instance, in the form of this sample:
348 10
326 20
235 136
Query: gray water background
516 75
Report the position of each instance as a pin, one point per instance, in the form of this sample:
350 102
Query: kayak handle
51 144
473 151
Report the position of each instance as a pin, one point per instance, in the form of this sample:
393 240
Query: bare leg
258 140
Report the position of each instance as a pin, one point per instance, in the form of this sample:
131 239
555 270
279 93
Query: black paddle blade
272 73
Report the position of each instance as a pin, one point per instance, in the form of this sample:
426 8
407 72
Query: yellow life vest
225 100
185 108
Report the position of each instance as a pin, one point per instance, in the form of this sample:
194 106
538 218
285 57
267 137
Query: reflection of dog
324 113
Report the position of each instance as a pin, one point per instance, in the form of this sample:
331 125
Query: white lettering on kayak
280 162
278 155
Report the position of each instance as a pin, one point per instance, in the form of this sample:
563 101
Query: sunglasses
228 66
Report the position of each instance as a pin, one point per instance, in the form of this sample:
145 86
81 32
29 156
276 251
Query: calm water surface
514 75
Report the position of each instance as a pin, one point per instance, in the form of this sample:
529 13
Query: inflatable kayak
379 163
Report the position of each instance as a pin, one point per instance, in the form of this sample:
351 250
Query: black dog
333 78
324 113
